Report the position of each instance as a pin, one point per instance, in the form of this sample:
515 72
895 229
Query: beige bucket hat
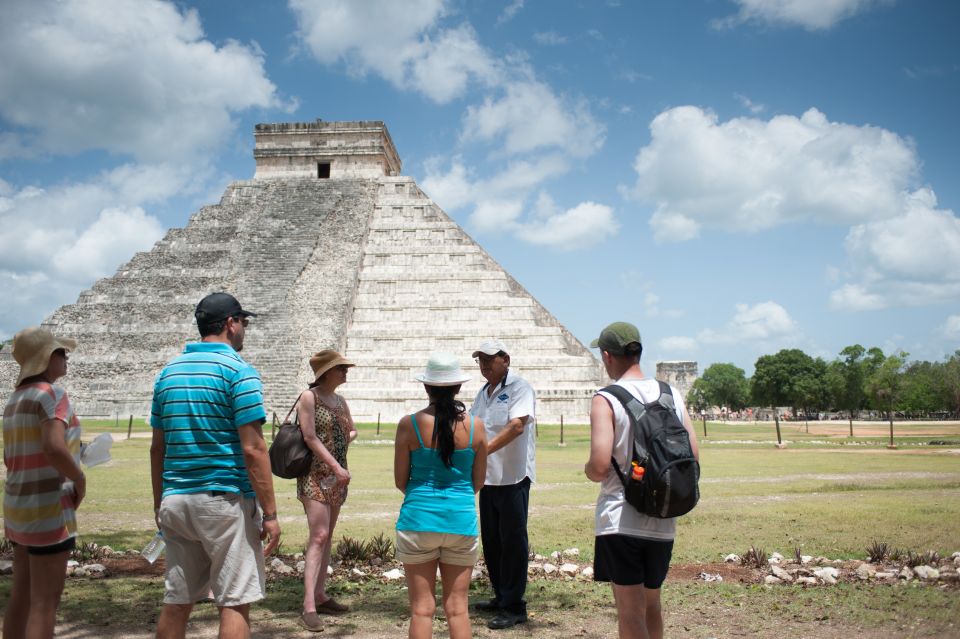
32 348
323 361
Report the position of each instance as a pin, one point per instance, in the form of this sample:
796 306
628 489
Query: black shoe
487 606
506 619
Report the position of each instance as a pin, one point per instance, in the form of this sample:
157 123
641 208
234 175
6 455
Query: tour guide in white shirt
507 405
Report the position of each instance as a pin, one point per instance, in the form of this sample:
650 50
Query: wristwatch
270 517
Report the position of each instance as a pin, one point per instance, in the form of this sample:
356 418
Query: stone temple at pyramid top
332 248
321 150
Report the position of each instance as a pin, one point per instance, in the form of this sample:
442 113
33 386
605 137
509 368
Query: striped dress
199 400
37 501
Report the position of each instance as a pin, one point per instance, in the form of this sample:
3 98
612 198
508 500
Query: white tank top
614 516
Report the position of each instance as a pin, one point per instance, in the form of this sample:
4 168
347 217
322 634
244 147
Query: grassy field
824 493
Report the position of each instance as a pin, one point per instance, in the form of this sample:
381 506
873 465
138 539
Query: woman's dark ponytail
449 410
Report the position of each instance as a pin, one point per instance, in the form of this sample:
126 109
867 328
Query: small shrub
87 551
797 555
896 554
877 551
350 549
755 557
6 547
929 558
381 546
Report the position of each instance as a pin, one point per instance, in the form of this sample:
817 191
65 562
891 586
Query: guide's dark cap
219 306
616 337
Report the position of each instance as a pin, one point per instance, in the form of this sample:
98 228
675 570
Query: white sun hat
443 369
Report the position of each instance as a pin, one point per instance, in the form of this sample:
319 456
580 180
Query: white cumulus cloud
55 241
912 259
951 328
813 15
750 174
134 77
677 344
763 322
401 42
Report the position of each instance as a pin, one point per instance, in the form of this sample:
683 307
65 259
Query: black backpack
661 445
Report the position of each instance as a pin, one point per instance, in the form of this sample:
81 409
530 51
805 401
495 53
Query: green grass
831 501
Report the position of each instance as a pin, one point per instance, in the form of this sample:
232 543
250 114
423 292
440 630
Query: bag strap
296 416
634 409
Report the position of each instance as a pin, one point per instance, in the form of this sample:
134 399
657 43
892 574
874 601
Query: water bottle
153 549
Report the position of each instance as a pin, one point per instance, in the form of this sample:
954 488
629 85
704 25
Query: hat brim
595 343
337 362
424 379
487 352
41 359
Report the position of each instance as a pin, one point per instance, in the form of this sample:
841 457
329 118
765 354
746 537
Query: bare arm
401 453
480 454
53 442
258 470
305 413
351 427
601 439
158 448
510 432
693 434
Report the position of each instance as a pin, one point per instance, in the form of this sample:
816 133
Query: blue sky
733 176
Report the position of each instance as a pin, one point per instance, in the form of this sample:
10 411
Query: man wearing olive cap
507 406
212 488
632 550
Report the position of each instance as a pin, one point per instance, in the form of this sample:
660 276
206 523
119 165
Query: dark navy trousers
503 532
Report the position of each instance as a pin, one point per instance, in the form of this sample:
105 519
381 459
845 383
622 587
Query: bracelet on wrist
270 517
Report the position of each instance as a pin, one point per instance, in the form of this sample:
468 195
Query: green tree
885 385
788 378
697 400
950 383
846 380
725 385
922 383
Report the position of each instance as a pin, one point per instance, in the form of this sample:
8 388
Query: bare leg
173 621
654 613
235 622
47 574
456 582
318 536
18 606
421 586
631 611
320 591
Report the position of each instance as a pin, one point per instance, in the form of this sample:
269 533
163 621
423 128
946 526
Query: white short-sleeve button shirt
513 397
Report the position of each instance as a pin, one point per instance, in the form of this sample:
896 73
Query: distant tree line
859 379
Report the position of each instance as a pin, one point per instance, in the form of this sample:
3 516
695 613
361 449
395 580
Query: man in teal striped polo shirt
210 471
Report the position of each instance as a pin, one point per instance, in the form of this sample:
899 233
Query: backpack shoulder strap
666 396
634 409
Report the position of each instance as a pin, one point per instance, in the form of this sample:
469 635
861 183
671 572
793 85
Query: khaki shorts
213 544
417 547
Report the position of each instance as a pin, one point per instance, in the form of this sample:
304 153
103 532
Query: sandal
332 607
311 621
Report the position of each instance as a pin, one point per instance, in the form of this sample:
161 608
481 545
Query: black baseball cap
219 306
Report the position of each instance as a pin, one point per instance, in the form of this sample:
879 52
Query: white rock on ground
533 567
549 569
276 562
587 572
781 574
809 581
570 569
732 558
571 552
476 575
770 580
927 572
906 573
827 575
6 567
356 572
394 574
866 571
805 559
96 569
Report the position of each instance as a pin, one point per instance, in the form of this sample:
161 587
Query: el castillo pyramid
332 248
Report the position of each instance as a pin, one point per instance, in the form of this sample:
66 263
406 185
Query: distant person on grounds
632 550
328 429
212 487
440 459
507 406
44 482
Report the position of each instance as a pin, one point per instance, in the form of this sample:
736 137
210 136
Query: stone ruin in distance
333 248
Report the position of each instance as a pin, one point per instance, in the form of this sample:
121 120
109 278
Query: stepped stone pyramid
332 248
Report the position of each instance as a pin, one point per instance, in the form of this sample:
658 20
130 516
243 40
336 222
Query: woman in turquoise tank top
440 460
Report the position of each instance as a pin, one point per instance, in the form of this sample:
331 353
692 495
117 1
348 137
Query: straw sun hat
443 369
32 348
323 361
